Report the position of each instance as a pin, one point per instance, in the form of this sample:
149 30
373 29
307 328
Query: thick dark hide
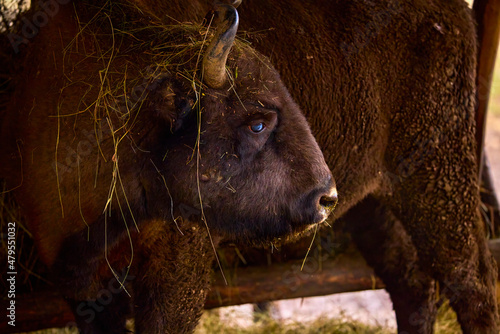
389 90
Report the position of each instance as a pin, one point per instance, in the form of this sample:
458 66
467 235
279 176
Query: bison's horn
214 62
236 3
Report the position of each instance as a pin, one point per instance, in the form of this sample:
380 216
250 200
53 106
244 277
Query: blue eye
256 128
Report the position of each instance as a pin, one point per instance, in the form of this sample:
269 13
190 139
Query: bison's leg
95 294
105 314
438 208
388 249
100 305
173 279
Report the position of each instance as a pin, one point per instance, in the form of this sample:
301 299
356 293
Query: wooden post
487 13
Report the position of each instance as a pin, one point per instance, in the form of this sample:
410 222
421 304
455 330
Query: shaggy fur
389 89
122 159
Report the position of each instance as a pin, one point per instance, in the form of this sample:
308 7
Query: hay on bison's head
153 51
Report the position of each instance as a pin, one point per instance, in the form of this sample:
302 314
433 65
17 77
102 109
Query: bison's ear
169 102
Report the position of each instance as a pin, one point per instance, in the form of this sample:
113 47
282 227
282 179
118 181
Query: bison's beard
265 227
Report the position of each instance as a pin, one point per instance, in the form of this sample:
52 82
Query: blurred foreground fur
31 272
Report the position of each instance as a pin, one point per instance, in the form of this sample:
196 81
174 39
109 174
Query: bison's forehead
255 77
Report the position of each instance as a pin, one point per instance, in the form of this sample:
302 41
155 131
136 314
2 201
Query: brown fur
388 88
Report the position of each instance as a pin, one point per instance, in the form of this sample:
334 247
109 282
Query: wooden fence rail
346 272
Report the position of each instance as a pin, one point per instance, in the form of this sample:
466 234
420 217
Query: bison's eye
256 128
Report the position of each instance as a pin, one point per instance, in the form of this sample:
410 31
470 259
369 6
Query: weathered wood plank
347 272
487 13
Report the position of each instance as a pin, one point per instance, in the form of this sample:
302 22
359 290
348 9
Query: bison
134 146
389 90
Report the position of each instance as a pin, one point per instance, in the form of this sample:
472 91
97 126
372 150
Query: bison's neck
159 244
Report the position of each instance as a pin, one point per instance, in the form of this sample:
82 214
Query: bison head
238 154
111 142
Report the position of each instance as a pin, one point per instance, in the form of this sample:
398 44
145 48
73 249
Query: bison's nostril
329 201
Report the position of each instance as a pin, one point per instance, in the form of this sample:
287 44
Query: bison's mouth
278 222
289 230
298 233
324 210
